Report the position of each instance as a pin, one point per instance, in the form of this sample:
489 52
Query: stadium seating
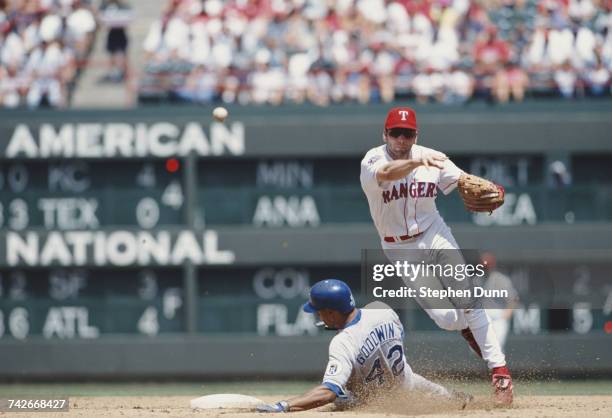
273 52
43 46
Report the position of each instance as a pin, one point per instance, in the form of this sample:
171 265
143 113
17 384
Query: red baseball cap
401 117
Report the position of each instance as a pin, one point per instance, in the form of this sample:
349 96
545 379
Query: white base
225 400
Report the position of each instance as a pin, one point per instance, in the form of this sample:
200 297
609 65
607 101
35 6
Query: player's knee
447 319
477 318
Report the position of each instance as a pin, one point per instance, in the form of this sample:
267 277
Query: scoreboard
283 192
87 303
90 194
75 194
113 227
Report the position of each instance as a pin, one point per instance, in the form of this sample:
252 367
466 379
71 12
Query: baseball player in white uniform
365 357
500 310
401 181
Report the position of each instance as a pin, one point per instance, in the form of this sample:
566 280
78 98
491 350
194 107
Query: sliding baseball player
366 357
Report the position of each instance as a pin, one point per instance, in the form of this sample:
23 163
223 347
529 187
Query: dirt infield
178 406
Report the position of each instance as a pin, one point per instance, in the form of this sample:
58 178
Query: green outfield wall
226 357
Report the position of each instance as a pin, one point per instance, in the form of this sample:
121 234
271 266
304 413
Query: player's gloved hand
282 406
347 401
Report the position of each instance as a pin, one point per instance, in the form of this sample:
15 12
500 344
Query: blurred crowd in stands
326 51
45 44
42 44
318 51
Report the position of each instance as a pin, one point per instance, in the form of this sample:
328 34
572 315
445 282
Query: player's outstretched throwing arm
397 169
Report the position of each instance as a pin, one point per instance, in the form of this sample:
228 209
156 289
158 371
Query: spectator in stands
267 82
511 81
200 87
565 78
363 82
581 10
490 56
41 45
597 79
585 44
13 87
231 87
320 83
384 60
168 37
459 86
297 79
536 56
49 67
490 52
561 45
423 86
116 16
339 92
80 25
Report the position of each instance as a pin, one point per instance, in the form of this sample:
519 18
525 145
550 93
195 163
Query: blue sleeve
335 388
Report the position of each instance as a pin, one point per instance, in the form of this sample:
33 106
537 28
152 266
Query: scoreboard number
582 318
173 195
607 307
148 323
17 290
582 282
147 213
18 214
16 178
148 285
172 300
146 176
19 324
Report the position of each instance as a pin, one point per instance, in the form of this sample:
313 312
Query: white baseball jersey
406 206
367 353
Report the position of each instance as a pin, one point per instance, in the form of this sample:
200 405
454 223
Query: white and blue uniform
368 354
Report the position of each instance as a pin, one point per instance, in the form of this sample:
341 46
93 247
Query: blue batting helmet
330 294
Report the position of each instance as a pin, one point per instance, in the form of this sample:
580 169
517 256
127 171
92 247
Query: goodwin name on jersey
379 335
368 351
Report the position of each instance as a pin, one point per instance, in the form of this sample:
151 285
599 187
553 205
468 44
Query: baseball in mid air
220 113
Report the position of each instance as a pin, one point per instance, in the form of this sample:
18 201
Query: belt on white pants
401 238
